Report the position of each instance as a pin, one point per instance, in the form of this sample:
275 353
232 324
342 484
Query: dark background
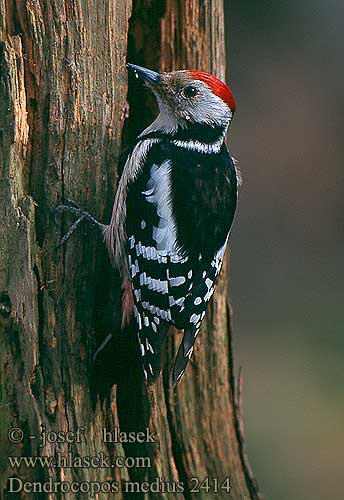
286 69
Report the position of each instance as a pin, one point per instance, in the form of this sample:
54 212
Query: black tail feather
184 354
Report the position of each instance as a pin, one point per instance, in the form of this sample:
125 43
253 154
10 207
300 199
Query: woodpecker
173 212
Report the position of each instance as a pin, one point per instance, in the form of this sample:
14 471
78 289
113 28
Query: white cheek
211 110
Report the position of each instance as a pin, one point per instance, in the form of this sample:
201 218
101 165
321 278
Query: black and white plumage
173 211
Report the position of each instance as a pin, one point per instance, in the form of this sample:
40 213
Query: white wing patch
158 192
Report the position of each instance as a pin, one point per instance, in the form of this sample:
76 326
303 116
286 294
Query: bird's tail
184 354
151 344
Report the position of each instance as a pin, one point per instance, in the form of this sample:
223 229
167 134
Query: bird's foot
71 207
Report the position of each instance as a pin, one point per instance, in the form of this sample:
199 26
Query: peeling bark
63 94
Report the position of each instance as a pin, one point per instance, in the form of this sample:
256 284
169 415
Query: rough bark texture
63 92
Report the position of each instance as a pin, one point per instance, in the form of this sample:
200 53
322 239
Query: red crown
216 85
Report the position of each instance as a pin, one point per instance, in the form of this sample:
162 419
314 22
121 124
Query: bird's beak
147 75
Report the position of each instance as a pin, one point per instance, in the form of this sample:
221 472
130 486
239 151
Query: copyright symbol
15 435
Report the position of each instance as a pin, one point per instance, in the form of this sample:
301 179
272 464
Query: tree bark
63 125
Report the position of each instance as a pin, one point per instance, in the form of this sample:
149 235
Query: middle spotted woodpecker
173 212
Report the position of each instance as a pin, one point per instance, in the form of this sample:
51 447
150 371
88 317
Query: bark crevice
236 382
176 448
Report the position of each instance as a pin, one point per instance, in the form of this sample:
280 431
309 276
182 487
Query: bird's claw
67 205
74 209
78 212
70 202
71 230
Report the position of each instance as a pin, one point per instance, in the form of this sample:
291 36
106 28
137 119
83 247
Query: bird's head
188 97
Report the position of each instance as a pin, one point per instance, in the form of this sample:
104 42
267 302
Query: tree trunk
63 125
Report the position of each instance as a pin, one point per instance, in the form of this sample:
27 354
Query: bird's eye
190 91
